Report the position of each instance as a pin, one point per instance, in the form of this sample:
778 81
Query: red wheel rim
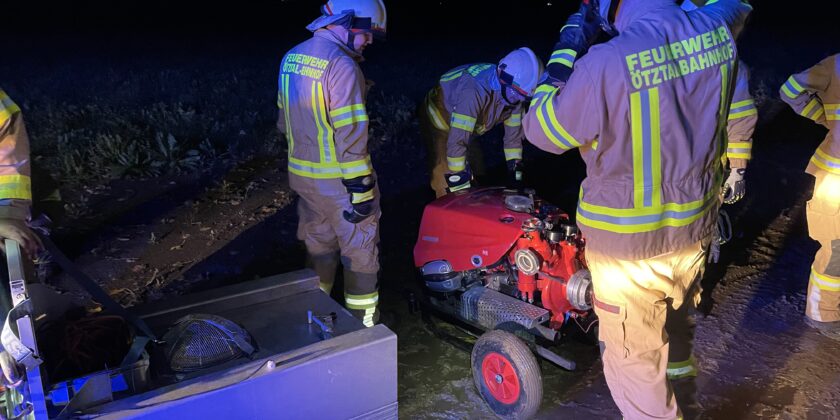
500 378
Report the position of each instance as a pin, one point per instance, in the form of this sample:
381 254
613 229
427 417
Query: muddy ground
149 238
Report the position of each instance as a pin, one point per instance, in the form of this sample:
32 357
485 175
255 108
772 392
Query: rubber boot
361 296
325 266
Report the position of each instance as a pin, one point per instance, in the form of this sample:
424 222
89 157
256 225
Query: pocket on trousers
833 267
612 330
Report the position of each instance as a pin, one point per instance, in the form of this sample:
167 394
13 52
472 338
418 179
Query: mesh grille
199 341
490 308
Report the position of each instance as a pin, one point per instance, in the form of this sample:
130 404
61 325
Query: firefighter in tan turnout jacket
815 94
321 98
468 101
648 112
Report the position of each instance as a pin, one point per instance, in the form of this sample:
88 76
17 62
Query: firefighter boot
361 296
325 266
828 329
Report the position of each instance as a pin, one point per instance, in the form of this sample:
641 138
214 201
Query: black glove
458 181
361 197
579 32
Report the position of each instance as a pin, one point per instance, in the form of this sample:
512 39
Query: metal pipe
555 358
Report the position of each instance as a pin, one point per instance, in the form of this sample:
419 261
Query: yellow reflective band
437 119
361 301
647 167
512 154
595 145
356 168
832 112
362 197
7 108
460 187
280 99
827 283
456 164
791 88
347 115
733 155
826 162
742 114
552 128
684 369
806 112
367 319
315 170
565 57
15 187
462 122
741 145
515 120
284 82
451 75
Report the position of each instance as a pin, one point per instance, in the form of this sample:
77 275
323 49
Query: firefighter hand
458 181
361 197
12 371
581 28
735 186
18 230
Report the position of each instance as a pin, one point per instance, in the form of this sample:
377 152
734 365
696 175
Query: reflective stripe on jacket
15 182
468 102
321 97
653 134
815 94
743 116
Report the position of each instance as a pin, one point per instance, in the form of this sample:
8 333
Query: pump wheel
506 375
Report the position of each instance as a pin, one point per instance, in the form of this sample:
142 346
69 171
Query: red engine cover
472 229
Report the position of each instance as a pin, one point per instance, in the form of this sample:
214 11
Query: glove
361 197
514 168
18 230
735 186
458 181
579 32
581 28
12 372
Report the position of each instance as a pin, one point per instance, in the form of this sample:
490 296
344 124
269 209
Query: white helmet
521 69
366 15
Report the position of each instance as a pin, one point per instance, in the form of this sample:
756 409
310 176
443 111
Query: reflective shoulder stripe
16 186
456 164
515 120
824 282
742 109
565 57
452 75
513 154
7 108
826 162
792 88
552 129
347 115
356 168
462 122
475 69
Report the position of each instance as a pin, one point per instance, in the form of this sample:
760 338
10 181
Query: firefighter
815 94
468 101
15 200
321 100
648 112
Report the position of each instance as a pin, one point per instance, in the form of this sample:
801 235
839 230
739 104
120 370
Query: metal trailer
303 369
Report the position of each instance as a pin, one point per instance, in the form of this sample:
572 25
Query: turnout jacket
648 111
742 119
468 102
15 182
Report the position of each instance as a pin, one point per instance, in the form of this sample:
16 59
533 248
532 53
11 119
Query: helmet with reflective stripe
369 15
521 69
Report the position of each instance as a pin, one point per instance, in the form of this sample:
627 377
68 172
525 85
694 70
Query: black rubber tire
524 364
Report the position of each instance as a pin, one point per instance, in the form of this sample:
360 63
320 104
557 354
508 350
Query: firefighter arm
741 122
733 12
461 128
513 136
801 90
15 181
563 118
349 120
281 114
